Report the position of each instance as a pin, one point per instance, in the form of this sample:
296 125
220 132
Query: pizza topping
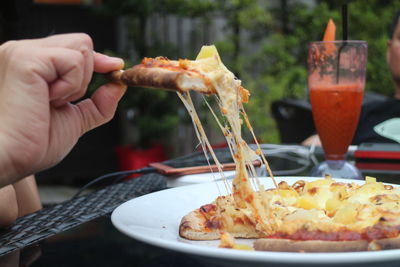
305 235
213 223
228 241
371 233
322 209
244 94
299 185
230 95
208 209
379 232
283 185
388 187
332 212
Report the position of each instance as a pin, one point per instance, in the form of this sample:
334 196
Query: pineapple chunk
371 188
288 193
332 205
242 247
228 241
346 215
340 191
289 196
369 179
319 183
208 51
307 203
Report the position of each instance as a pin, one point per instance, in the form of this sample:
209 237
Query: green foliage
265 44
155 111
281 62
369 20
278 68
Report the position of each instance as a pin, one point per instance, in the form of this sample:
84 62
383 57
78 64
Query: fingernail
118 60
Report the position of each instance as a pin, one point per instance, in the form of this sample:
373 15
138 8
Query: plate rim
251 256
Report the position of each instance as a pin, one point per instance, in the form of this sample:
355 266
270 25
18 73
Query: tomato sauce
303 235
369 234
336 110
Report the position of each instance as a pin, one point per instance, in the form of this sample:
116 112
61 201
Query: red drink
336 110
336 79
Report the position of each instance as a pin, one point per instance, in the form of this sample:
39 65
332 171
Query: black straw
344 31
344 21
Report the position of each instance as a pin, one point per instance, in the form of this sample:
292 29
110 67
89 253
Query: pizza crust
265 244
163 78
383 244
193 227
196 226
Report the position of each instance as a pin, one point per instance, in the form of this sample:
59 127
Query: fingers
8 206
83 43
67 67
74 72
27 196
74 60
101 107
80 42
103 63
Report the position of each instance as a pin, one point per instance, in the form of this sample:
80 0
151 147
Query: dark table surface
96 243
80 233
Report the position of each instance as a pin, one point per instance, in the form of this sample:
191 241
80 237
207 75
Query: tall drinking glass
336 80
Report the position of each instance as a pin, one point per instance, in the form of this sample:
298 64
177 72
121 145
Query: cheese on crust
248 210
247 195
323 205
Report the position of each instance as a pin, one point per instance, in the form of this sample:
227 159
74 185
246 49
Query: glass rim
340 42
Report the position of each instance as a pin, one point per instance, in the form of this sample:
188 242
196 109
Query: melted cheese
321 205
230 95
328 206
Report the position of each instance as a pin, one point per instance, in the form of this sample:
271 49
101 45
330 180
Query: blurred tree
264 43
153 112
276 65
280 62
369 20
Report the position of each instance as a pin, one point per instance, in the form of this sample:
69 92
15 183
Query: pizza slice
319 216
180 75
211 220
175 75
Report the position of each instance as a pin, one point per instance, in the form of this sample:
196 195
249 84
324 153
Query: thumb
101 107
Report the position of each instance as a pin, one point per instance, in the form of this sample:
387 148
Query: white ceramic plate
197 178
155 218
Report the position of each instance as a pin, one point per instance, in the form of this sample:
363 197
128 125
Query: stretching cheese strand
201 135
230 104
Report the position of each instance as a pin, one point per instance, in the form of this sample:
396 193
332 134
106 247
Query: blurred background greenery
263 42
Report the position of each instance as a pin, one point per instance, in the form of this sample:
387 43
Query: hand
38 80
312 140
